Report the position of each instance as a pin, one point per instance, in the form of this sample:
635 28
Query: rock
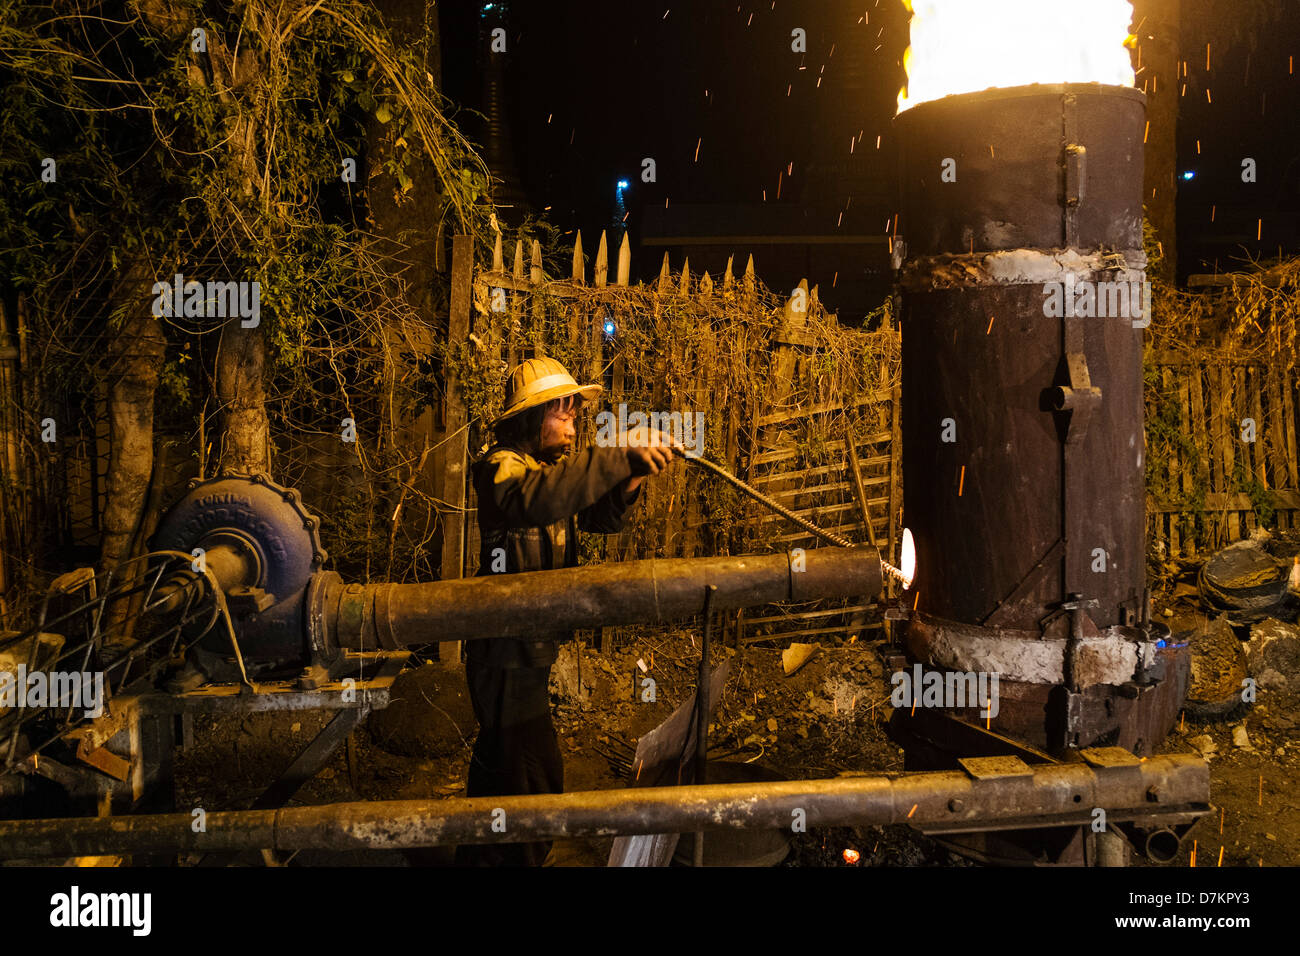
771 723
802 732
1270 679
1205 744
1278 722
1240 738
1218 668
1274 645
796 656
429 714
295 728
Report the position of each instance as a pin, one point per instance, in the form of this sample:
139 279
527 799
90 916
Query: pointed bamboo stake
579 265
684 288
665 281
498 257
796 307
624 262
519 258
602 262
535 270
749 283
706 286
728 280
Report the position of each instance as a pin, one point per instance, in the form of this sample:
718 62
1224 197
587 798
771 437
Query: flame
851 856
962 46
907 559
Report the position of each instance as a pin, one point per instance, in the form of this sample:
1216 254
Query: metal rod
764 499
790 515
1011 798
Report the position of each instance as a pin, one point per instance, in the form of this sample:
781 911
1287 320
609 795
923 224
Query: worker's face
559 430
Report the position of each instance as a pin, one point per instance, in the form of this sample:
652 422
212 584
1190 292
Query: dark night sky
620 81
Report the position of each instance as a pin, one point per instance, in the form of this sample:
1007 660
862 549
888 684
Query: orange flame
962 46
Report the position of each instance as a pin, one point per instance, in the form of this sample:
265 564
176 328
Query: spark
1220 863
990 328
912 811
962 483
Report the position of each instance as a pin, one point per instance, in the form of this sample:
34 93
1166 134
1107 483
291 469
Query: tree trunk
242 399
137 356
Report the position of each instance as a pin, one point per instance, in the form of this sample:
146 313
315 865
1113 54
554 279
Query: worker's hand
649 451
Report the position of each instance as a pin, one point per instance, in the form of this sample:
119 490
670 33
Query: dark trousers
516 752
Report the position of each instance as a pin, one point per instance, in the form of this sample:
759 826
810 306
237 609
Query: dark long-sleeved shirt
529 516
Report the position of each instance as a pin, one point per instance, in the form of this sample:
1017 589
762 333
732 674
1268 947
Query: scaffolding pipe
987 794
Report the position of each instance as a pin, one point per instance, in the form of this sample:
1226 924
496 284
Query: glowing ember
908 559
962 46
851 857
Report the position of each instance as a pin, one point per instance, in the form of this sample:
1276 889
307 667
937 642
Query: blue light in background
1189 174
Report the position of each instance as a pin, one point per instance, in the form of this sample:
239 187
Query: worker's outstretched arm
530 494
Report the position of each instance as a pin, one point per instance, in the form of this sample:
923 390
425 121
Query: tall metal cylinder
1023 301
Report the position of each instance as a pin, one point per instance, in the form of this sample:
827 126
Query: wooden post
1230 426
1199 436
851 446
895 471
456 418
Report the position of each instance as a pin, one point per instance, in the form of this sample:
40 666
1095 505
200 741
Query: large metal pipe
374 616
989 794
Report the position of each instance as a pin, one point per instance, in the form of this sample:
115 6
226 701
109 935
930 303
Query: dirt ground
827 719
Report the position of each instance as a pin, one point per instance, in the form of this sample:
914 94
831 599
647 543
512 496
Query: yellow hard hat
538 381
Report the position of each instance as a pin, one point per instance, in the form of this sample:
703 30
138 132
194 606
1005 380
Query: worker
534 495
